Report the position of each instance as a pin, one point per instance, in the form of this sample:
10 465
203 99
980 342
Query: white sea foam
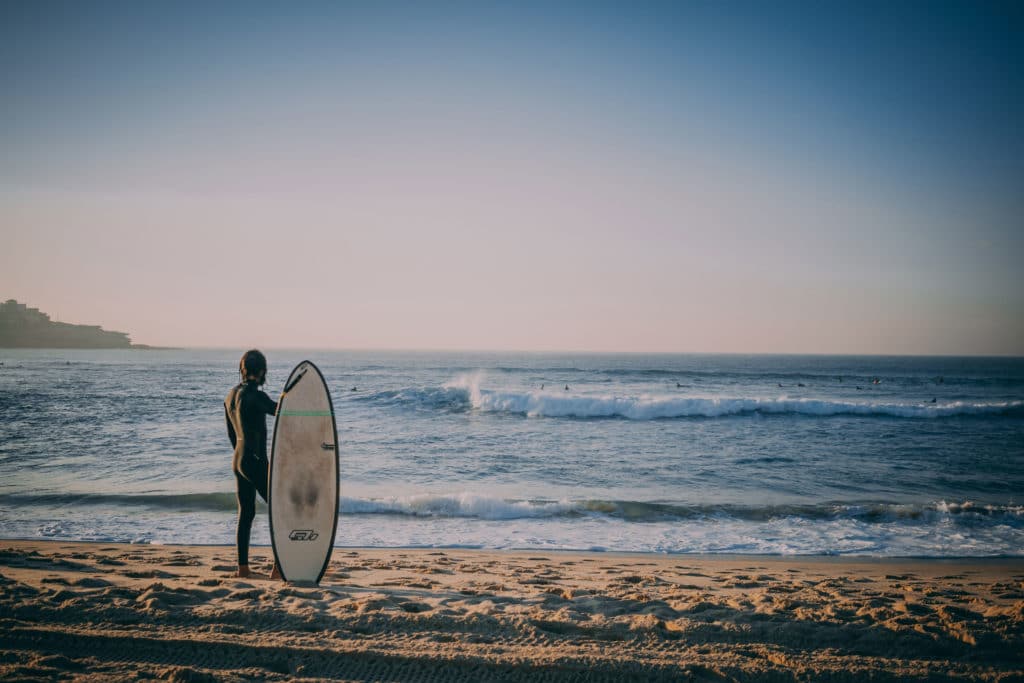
933 533
456 505
477 506
653 407
474 505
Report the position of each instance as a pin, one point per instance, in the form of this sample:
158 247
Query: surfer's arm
231 429
268 405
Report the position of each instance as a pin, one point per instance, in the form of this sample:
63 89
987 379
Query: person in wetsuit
245 411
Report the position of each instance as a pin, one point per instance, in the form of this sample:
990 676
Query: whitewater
876 456
648 407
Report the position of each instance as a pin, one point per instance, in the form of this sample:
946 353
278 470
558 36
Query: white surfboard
304 477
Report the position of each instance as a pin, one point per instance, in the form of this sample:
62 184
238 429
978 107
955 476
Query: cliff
24 327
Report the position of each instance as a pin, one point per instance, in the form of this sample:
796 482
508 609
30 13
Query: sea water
880 456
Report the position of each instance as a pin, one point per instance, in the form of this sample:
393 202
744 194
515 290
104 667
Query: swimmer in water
567 387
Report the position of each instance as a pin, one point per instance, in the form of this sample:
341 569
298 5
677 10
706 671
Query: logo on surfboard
303 535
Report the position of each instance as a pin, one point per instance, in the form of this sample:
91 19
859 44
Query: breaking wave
465 393
476 506
485 507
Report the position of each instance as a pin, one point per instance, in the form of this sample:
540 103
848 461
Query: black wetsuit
245 410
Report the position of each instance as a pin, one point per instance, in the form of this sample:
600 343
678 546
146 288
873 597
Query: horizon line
589 352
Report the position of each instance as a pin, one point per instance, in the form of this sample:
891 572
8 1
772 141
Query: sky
739 177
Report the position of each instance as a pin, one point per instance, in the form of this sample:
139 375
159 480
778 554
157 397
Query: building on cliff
24 327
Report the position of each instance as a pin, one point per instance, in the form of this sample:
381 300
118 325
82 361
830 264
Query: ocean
733 454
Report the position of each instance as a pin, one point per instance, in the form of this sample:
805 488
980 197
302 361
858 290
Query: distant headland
24 327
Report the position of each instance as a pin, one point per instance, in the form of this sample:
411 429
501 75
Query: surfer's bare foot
275 573
243 572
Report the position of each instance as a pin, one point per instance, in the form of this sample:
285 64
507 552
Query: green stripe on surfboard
305 413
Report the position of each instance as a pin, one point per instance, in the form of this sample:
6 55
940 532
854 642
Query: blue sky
720 176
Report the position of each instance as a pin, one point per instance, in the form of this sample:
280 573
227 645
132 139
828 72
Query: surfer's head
253 366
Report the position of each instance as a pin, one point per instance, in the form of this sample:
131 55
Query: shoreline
823 557
108 611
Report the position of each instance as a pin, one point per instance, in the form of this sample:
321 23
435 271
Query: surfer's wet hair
253 364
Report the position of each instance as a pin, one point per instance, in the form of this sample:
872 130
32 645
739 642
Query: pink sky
515 178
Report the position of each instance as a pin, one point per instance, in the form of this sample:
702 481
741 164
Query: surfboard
304 477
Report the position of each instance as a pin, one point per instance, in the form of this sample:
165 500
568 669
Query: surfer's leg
246 513
261 480
257 473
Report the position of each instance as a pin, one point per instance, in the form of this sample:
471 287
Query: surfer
245 411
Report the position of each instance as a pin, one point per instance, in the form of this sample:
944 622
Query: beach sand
105 611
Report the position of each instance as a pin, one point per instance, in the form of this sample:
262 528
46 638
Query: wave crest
476 506
465 392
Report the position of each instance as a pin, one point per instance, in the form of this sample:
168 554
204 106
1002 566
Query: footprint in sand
91 582
414 607
245 594
110 561
59 580
148 574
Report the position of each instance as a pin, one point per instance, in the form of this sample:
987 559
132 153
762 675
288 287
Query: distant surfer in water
245 410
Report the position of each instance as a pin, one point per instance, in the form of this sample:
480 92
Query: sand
73 611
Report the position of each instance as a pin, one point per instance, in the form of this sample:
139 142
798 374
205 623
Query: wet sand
103 611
